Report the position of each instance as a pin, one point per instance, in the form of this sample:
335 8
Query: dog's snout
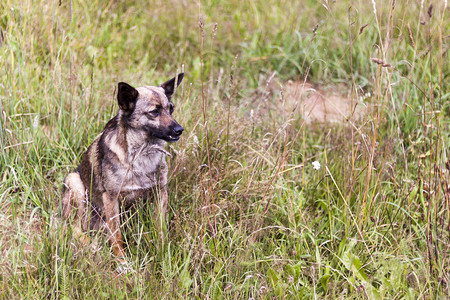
178 130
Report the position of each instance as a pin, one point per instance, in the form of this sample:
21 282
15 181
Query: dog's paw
124 267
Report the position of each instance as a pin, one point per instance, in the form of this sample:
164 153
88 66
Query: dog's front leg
160 211
162 198
112 214
161 208
74 202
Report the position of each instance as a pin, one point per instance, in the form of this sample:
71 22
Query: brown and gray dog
126 163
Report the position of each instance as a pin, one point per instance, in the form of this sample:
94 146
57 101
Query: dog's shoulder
112 143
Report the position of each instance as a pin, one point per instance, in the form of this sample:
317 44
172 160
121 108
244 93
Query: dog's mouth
172 138
167 138
170 135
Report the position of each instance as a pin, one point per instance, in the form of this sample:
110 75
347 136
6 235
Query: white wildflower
316 165
36 122
196 142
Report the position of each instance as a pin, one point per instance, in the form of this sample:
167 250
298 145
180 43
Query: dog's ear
169 85
126 96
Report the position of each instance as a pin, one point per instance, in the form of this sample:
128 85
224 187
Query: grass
249 216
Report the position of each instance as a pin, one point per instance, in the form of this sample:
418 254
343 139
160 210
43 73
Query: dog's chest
140 174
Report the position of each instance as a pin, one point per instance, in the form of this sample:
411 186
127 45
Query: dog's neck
137 139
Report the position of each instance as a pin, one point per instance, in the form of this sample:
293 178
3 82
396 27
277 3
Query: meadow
250 215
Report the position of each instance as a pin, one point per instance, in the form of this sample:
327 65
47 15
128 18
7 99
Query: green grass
249 217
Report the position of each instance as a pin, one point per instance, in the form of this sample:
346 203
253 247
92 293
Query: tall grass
249 217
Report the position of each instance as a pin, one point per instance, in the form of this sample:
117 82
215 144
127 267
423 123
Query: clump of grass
249 215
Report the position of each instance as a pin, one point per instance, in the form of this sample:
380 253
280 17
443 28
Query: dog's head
149 109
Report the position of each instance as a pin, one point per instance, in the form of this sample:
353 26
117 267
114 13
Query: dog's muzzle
175 134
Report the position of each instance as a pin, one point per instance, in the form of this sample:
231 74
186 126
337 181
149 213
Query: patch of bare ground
322 104
315 103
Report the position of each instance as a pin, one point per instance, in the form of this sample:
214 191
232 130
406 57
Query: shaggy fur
126 163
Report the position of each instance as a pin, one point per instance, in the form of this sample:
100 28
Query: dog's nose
178 130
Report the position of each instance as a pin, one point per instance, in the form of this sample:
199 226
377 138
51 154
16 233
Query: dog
126 163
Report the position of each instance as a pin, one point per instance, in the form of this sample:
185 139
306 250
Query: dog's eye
154 113
171 109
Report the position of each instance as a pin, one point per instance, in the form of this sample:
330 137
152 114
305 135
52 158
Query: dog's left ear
169 85
126 97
